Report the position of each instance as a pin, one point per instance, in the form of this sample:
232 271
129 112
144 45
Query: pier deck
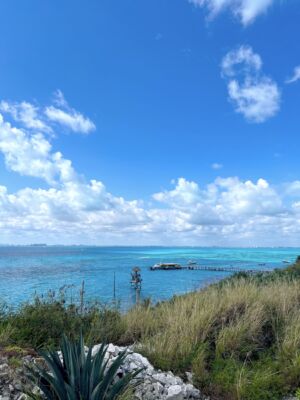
229 269
222 269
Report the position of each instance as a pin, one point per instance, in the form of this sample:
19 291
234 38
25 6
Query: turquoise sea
25 270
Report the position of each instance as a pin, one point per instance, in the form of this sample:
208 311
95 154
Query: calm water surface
26 270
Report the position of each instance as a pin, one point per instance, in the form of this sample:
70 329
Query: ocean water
27 270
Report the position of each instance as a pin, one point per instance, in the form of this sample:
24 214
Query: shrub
41 323
6 333
107 325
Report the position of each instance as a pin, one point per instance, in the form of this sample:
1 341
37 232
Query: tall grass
241 338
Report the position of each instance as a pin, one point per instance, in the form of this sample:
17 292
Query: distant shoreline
149 246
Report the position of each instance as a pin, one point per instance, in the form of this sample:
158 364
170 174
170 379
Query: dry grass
242 337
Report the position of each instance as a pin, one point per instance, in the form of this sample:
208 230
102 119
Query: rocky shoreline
13 380
154 384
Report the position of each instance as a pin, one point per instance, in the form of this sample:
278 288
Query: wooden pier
228 269
221 269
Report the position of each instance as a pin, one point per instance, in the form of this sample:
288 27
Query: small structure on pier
165 266
136 278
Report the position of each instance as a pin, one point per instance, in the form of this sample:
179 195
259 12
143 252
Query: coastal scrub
240 337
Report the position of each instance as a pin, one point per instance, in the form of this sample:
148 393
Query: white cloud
257 101
293 188
231 211
228 211
32 117
31 154
295 77
245 10
71 119
25 113
217 166
242 57
227 198
59 99
184 194
253 94
67 116
249 198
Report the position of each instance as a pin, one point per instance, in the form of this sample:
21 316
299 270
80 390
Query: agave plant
77 375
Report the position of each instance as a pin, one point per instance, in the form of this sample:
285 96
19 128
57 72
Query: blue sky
161 102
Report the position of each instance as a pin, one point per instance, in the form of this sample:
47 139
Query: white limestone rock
155 384
175 392
189 377
157 389
165 378
192 392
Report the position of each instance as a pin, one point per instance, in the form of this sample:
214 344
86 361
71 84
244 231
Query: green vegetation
240 337
41 324
79 375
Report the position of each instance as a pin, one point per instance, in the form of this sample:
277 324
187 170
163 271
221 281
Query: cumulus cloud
229 210
254 95
30 153
70 204
71 209
225 198
245 10
295 77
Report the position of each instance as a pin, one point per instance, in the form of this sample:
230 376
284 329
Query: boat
286 262
165 266
191 262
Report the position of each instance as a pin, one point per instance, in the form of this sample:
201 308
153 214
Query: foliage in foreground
40 324
79 375
240 337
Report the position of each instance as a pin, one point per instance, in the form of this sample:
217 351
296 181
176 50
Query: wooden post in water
114 289
137 295
82 297
136 283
